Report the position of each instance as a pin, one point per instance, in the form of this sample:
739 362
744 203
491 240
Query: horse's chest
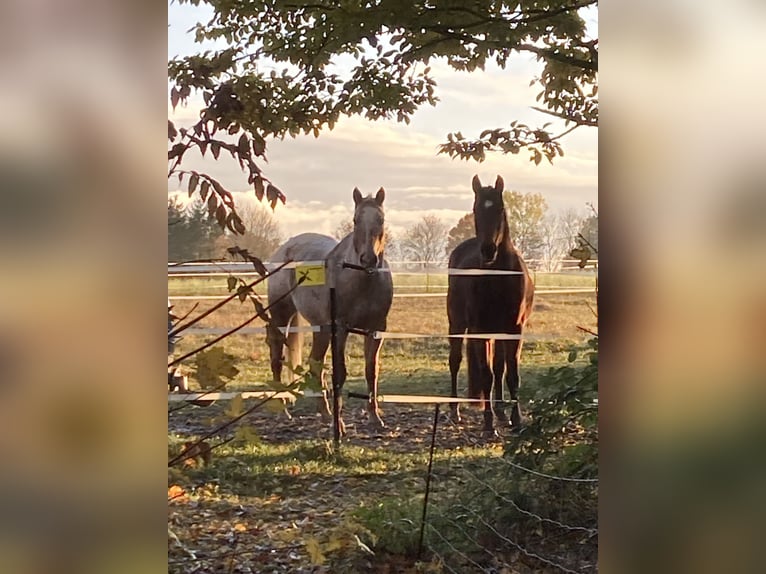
494 304
365 304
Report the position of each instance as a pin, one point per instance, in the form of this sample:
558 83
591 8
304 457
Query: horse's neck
346 251
505 236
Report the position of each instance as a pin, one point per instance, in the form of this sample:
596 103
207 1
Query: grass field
554 322
285 502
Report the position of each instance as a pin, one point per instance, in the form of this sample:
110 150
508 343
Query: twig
189 456
183 454
588 331
217 306
588 243
179 319
187 261
237 328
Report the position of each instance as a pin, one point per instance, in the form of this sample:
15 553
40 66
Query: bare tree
555 242
345 227
571 221
426 241
262 232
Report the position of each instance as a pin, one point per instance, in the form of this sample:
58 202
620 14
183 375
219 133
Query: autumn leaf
177 494
276 406
315 551
213 366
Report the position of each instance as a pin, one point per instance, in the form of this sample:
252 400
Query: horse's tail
294 342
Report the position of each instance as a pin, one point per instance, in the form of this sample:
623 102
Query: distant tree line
193 234
539 235
544 237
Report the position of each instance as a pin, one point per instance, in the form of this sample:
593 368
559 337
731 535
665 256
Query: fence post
335 368
428 480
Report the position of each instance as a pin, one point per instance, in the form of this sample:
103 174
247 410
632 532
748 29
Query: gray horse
363 296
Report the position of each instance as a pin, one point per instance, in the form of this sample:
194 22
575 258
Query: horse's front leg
340 361
513 356
455 358
498 371
498 368
371 369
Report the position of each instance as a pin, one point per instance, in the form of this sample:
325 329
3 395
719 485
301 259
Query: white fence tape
566 291
376 334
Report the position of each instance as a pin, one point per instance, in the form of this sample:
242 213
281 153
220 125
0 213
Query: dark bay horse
489 304
363 296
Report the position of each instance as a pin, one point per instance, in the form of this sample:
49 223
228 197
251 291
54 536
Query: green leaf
246 434
572 356
231 283
236 406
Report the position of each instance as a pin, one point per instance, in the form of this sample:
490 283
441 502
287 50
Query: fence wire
486 514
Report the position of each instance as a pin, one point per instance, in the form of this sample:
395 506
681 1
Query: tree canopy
526 214
192 234
293 66
464 229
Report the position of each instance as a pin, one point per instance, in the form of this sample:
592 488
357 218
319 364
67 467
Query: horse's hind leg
281 315
513 355
319 345
455 358
371 369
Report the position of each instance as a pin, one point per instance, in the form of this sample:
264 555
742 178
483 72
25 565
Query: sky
319 175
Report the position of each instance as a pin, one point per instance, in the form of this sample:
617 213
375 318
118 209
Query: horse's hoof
376 423
489 434
455 417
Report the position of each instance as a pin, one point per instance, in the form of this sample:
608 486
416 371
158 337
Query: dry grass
554 321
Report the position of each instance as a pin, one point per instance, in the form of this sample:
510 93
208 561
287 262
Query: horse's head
369 234
489 216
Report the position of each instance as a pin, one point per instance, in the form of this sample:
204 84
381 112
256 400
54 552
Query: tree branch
581 121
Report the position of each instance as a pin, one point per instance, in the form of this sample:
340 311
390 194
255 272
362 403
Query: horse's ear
499 184
357 196
476 184
380 196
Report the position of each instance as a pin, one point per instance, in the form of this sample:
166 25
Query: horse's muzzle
369 261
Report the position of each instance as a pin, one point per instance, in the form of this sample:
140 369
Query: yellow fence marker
313 274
